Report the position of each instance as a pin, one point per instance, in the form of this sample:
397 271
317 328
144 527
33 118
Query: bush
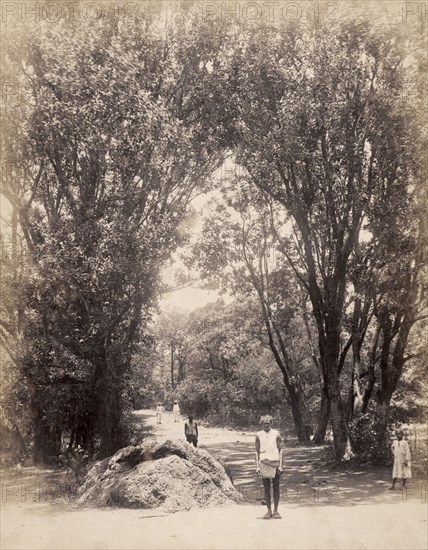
77 462
194 397
365 441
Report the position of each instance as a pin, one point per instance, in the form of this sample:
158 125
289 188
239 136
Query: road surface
321 510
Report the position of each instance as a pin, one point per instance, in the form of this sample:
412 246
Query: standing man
269 463
191 431
176 410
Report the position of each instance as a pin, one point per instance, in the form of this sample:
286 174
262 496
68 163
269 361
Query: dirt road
320 510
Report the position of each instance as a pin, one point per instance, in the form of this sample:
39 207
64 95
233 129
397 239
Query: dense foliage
101 184
228 376
320 127
121 125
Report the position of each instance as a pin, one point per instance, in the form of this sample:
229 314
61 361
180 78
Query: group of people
269 457
160 410
190 426
269 463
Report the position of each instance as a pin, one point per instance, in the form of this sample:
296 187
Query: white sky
190 297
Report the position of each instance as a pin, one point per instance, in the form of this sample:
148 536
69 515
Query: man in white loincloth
269 463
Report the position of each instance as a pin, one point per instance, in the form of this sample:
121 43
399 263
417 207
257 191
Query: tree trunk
84 431
391 373
381 419
10 429
71 442
329 351
108 398
355 400
47 441
180 376
172 361
300 413
368 392
109 426
323 418
109 420
371 378
329 345
299 407
342 445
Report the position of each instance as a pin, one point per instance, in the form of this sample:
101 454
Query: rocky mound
172 476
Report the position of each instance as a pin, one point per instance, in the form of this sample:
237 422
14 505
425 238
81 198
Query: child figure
401 453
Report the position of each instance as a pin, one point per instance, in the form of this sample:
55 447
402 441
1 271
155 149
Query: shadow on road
304 483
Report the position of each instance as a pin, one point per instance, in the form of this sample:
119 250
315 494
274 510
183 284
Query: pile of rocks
170 476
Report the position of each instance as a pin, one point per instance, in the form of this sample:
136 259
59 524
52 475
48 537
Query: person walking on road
176 411
159 411
191 431
269 464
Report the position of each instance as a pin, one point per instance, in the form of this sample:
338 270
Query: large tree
106 158
316 120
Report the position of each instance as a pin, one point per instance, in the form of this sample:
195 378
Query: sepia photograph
213 275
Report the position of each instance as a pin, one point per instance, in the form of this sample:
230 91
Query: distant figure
402 467
159 411
191 431
269 463
176 411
